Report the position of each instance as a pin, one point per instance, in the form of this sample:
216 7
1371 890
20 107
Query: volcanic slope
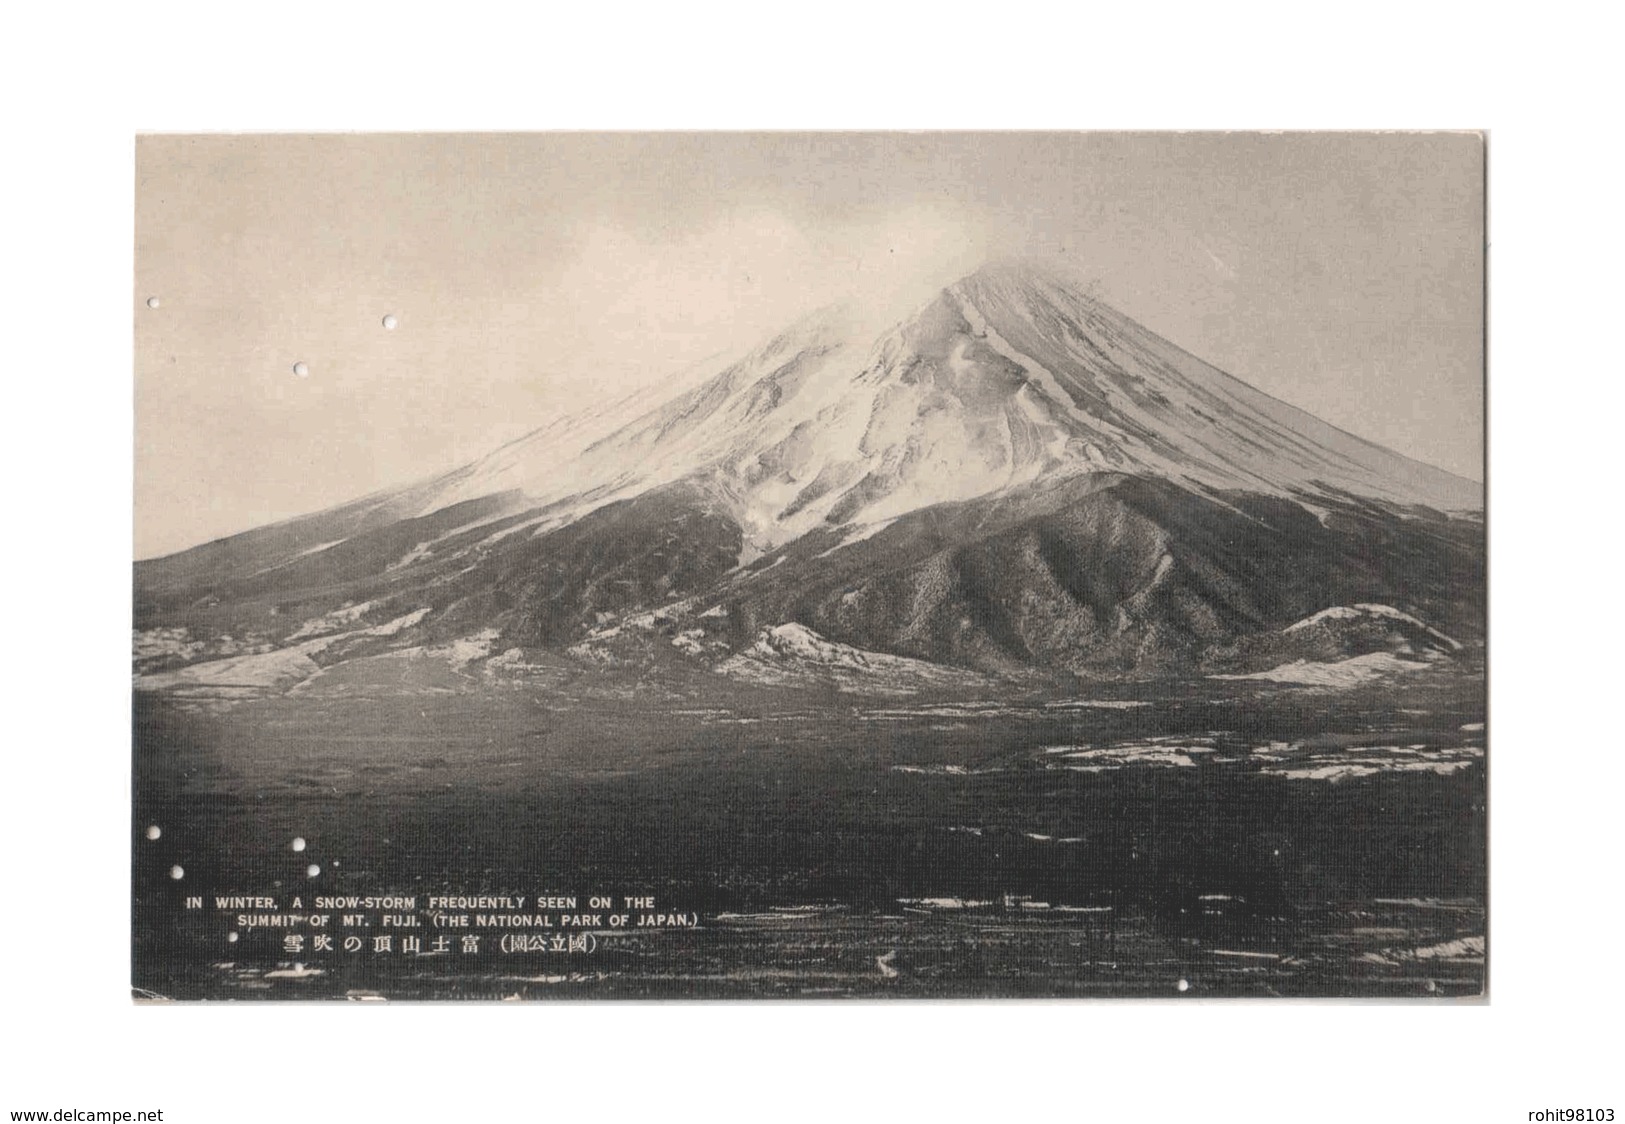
1013 478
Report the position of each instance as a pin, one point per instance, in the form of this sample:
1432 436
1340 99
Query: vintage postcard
754 565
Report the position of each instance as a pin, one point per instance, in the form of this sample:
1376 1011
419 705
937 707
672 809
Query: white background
79 83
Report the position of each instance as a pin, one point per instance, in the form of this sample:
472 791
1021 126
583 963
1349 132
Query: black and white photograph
809 565
858 563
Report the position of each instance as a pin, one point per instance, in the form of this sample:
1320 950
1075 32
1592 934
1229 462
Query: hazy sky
1343 273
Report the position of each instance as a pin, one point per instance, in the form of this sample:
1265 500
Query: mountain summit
1016 476
1009 376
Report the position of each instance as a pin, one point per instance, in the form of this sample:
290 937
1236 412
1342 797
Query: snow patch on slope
331 622
793 655
280 668
1366 610
276 669
467 649
1338 673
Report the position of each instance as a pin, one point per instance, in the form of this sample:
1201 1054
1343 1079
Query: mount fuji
1013 483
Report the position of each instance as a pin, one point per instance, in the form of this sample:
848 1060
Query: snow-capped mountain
1013 476
1009 376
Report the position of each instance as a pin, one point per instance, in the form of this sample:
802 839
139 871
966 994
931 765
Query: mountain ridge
1147 510
590 430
